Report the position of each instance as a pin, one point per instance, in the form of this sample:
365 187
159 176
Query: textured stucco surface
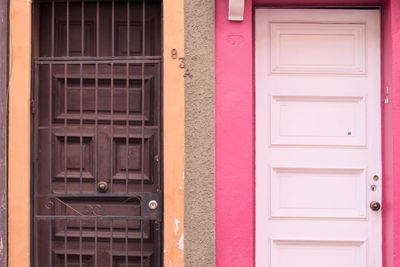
199 133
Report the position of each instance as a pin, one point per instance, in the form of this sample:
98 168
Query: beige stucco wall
199 133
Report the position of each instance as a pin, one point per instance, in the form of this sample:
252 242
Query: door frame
19 141
235 92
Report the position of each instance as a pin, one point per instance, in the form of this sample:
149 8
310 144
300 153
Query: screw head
153 204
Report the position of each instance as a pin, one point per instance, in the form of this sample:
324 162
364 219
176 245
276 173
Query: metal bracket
152 206
236 10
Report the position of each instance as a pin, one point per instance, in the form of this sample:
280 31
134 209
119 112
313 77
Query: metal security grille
97 115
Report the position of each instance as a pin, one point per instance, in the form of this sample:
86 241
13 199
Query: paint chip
176 228
180 243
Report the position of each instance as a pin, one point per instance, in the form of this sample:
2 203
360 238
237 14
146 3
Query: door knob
102 186
375 205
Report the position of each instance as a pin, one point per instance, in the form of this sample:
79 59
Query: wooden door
97 154
318 138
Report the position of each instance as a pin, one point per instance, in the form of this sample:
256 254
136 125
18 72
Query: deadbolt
375 205
102 186
153 204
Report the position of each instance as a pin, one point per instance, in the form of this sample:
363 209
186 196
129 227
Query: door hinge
33 106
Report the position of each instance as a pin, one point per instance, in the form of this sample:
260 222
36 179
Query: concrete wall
199 133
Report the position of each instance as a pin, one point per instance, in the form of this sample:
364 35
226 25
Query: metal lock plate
152 206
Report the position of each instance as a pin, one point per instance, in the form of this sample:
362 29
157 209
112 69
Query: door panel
97 98
317 138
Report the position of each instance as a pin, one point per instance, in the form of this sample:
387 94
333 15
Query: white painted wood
307 120
236 10
287 55
288 198
327 253
317 138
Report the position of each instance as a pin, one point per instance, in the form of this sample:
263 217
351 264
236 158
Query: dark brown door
97 157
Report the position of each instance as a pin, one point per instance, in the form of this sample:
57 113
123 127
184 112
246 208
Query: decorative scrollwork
93 210
49 204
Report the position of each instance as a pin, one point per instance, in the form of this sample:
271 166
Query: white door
318 136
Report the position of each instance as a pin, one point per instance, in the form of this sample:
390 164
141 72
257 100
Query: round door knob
375 205
102 187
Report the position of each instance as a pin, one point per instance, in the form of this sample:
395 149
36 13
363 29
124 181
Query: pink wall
391 133
234 111
234 139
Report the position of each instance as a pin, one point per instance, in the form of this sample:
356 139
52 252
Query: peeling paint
176 222
181 243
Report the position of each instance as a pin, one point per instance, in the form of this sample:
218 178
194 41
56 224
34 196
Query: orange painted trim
174 110
19 141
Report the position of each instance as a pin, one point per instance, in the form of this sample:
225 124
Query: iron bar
112 28
88 217
111 240
131 195
112 128
80 127
80 243
83 28
126 243
127 130
95 243
96 148
50 147
143 116
65 125
52 28
84 59
65 243
67 45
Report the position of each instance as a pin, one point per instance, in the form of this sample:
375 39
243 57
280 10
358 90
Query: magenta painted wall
234 139
391 133
234 111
